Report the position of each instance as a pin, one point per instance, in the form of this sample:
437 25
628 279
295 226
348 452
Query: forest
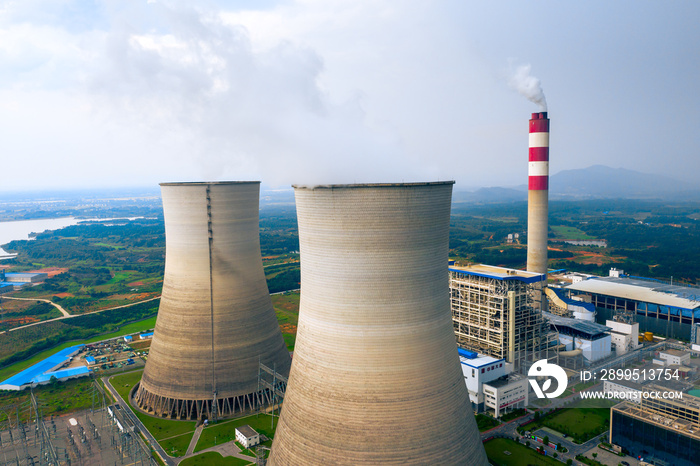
108 264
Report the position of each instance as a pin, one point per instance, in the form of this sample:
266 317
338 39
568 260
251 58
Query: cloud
250 113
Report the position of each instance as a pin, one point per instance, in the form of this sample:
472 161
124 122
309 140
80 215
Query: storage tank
216 320
376 377
648 336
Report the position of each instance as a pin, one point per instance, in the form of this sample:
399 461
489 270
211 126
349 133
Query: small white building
246 436
479 369
624 337
506 394
675 357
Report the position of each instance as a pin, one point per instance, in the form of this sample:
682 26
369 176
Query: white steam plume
529 86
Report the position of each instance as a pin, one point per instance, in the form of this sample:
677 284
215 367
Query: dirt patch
135 284
588 257
16 321
50 271
140 344
64 295
288 328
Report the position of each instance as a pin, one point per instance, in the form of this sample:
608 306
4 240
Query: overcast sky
132 93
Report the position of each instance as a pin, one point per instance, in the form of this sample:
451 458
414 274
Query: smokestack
376 376
216 320
538 194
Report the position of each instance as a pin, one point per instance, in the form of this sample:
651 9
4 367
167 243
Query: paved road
63 311
509 430
137 422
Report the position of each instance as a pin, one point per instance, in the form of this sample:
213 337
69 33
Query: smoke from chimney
528 86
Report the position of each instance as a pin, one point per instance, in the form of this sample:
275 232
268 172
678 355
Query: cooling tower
538 194
216 320
375 376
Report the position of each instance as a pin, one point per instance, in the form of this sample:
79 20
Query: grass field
128 329
61 398
158 427
520 455
213 458
582 421
287 309
177 446
566 232
226 431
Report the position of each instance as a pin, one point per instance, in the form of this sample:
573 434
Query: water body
20 230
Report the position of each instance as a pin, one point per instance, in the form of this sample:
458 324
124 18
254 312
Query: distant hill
596 182
600 181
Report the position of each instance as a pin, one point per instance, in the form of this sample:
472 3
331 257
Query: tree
527 443
569 462
595 455
546 440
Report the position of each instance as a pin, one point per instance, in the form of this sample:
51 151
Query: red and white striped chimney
538 194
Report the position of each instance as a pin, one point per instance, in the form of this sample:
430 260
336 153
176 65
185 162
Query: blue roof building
41 372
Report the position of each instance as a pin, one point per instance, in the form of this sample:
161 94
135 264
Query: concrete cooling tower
376 376
216 320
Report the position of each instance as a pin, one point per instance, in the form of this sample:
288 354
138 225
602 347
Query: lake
19 230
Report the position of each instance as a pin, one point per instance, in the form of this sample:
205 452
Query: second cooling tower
215 321
376 376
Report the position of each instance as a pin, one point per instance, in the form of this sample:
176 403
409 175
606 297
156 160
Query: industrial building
216 323
10 281
657 430
624 337
376 375
658 307
561 305
494 313
673 357
491 383
42 372
592 340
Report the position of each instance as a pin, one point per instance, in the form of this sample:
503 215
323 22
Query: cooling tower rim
205 183
371 185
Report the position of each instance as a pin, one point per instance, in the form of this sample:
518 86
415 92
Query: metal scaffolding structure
494 313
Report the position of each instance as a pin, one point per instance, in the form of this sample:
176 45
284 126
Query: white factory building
674 357
624 337
592 340
491 385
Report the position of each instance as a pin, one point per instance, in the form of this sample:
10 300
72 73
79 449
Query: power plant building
492 385
658 307
658 430
494 313
216 322
376 375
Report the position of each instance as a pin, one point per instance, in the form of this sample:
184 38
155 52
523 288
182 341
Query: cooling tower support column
215 322
376 378
538 194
